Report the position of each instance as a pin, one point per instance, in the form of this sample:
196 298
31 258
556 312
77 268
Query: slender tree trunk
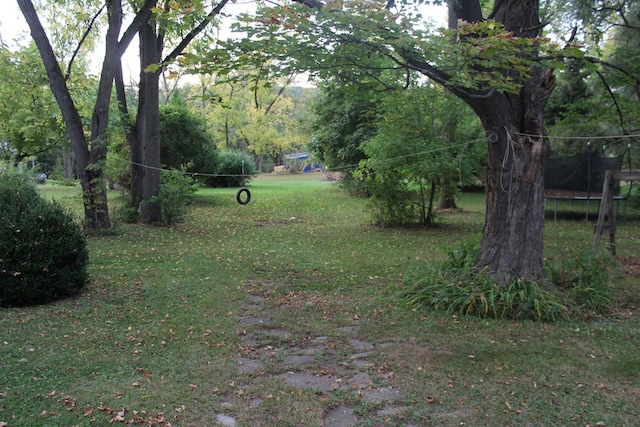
90 170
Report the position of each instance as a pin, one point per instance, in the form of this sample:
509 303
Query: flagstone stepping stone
298 360
361 346
323 383
253 320
341 416
381 394
278 333
361 380
249 366
392 410
226 421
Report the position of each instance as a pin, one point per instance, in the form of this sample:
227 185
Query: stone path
309 362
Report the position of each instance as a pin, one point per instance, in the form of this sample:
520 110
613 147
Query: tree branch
193 33
84 37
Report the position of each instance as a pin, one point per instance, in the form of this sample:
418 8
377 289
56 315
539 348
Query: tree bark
145 143
512 238
90 158
146 173
90 172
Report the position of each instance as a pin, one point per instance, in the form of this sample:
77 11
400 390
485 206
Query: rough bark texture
512 240
89 157
147 178
90 172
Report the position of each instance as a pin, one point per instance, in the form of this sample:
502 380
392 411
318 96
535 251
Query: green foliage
29 118
176 193
343 121
422 135
586 280
576 287
43 253
184 141
234 169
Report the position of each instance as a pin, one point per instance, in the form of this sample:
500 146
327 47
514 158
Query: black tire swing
243 196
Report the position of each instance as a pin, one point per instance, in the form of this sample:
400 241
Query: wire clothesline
421 153
586 138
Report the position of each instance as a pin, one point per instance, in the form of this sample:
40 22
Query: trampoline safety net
579 175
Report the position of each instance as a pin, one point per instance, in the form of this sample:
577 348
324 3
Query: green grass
157 330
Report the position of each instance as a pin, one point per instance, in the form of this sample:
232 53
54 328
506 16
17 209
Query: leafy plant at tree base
457 288
176 193
585 279
43 252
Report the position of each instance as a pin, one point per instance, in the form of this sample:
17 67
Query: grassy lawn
157 336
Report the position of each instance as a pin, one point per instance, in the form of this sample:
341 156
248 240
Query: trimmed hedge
43 251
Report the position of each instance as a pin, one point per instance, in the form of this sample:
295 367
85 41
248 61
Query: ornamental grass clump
573 288
43 251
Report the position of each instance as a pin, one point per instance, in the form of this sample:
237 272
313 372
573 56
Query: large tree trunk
145 172
512 238
90 158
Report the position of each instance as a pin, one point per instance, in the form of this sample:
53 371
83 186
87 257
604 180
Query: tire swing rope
243 196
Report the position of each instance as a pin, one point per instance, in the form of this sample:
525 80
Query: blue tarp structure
302 159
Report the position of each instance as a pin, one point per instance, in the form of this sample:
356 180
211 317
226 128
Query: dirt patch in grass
630 265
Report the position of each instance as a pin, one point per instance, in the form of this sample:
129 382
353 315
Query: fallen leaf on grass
120 416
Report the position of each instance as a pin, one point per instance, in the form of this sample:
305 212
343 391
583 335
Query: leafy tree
499 64
30 119
413 156
263 118
183 21
90 153
184 141
343 121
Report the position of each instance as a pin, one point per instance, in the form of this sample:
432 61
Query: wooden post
606 204
607 208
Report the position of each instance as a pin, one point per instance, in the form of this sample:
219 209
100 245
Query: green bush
176 193
586 281
43 252
230 167
574 287
185 142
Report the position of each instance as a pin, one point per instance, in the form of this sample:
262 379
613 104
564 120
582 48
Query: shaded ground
630 265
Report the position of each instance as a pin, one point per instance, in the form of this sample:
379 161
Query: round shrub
230 170
43 251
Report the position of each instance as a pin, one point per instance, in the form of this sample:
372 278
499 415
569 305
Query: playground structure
580 178
606 215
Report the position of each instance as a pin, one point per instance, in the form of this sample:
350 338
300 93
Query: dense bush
184 141
43 253
573 288
230 169
176 193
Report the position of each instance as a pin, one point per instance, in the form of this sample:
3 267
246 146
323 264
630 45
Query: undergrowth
573 288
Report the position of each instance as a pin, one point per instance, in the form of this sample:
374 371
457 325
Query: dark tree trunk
89 163
145 172
512 238
90 158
